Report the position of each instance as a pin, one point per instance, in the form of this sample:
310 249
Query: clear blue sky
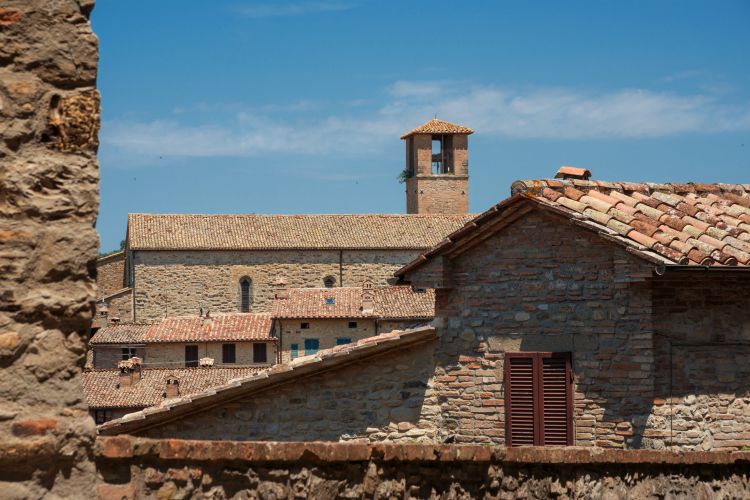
297 107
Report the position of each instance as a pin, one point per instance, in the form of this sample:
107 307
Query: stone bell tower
437 168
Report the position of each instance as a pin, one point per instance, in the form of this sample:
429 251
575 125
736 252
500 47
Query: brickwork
178 283
325 330
110 274
387 397
702 323
437 194
143 468
49 120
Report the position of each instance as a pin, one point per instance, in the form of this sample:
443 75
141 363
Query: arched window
246 289
329 281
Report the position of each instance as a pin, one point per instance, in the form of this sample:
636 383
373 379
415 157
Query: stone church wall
178 282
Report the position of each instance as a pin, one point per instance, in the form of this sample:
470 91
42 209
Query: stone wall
178 283
110 274
325 330
702 322
385 397
173 353
49 121
109 356
142 468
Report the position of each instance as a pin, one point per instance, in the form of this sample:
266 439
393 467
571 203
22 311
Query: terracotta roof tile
219 328
125 333
393 302
269 232
436 126
101 387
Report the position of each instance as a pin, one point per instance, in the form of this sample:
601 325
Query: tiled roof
100 387
219 328
436 126
393 302
124 333
670 224
302 367
269 232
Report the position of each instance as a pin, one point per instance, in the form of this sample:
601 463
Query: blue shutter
295 351
311 346
343 340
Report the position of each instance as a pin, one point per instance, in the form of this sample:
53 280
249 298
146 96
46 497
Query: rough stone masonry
49 121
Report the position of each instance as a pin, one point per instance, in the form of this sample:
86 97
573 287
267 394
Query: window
343 340
329 281
101 416
538 399
311 346
352 324
259 353
245 294
191 356
330 301
127 353
304 326
228 353
295 350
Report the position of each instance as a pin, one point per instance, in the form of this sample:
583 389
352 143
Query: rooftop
288 232
669 224
436 126
101 387
391 302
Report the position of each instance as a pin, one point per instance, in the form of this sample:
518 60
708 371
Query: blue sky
297 107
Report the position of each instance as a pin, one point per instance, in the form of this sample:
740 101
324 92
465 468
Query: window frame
538 395
352 324
127 352
340 340
102 415
312 350
192 363
229 350
246 294
257 345
305 325
294 351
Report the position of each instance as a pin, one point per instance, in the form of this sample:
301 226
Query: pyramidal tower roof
436 126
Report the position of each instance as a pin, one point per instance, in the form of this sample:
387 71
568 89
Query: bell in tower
437 168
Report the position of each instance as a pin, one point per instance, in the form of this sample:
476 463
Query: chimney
104 312
114 320
368 297
172 389
126 373
206 362
573 173
281 289
137 369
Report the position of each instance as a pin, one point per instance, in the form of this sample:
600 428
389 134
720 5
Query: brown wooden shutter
538 399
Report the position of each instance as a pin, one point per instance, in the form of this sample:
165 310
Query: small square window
352 324
305 326
330 301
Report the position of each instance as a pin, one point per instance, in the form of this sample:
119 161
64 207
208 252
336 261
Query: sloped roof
670 224
305 366
280 232
390 302
100 387
436 126
218 328
222 327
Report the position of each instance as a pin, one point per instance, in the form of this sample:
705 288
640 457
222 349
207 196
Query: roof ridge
646 187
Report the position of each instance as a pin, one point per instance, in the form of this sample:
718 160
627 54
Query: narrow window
245 294
228 353
343 340
304 326
538 399
329 281
295 350
352 324
101 416
191 356
311 346
259 353
127 353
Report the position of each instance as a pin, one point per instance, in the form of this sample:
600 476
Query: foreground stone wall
702 321
49 121
142 468
176 283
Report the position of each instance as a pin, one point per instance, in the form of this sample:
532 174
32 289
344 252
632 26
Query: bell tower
437 168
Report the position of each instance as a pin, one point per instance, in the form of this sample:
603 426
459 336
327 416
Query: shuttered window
538 399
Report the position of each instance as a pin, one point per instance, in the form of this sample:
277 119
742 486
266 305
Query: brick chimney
136 364
573 173
368 297
280 287
172 389
126 373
